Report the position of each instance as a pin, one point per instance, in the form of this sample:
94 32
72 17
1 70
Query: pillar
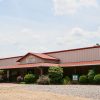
41 71
8 74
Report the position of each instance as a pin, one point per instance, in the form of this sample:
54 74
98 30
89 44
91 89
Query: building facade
74 61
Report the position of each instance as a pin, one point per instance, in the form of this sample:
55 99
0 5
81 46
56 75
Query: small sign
75 77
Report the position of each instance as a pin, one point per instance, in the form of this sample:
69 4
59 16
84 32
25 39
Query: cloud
88 3
62 7
78 37
27 40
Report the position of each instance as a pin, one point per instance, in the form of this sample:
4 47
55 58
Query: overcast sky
47 25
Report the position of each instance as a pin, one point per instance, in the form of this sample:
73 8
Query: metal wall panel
78 55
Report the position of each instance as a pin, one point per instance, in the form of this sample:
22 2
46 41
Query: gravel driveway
85 91
88 91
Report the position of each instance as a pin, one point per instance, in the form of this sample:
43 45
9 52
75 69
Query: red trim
73 49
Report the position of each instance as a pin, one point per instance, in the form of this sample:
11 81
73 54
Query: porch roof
71 64
78 64
28 66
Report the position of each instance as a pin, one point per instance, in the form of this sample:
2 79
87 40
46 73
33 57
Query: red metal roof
44 56
9 61
73 49
40 55
55 52
73 64
6 63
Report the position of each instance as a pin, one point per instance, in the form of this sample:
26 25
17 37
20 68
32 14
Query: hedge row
55 76
90 78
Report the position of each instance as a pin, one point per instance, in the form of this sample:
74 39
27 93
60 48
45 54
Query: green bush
97 79
43 80
91 72
66 80
91 75
91 79
55 75
29 78
83 79
36 77
1 72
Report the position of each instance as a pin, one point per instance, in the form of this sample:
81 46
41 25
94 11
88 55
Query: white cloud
25 40
28 40
62 7
65 6
88 3
78 37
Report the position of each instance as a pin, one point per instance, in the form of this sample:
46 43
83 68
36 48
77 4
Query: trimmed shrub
91 75
36 77
66 80
29 78
91 72
97 79
19 79
1 72
91 79
55 75
83 79
43 80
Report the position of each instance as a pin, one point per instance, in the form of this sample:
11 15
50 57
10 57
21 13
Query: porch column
41 71
8 74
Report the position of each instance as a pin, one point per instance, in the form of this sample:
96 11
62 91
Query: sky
47 25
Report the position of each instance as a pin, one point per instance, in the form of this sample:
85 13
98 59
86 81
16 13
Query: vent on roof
97 44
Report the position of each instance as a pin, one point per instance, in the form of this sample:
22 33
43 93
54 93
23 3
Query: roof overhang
21 66
66 65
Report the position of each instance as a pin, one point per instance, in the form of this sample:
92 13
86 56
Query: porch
12 74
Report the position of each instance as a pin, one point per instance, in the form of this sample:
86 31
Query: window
30 59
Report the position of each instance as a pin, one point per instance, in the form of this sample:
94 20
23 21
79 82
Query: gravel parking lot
84 91
87 91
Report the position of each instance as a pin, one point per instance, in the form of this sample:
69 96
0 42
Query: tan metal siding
78 55
10 61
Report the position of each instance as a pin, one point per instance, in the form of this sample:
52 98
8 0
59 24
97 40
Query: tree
55 74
